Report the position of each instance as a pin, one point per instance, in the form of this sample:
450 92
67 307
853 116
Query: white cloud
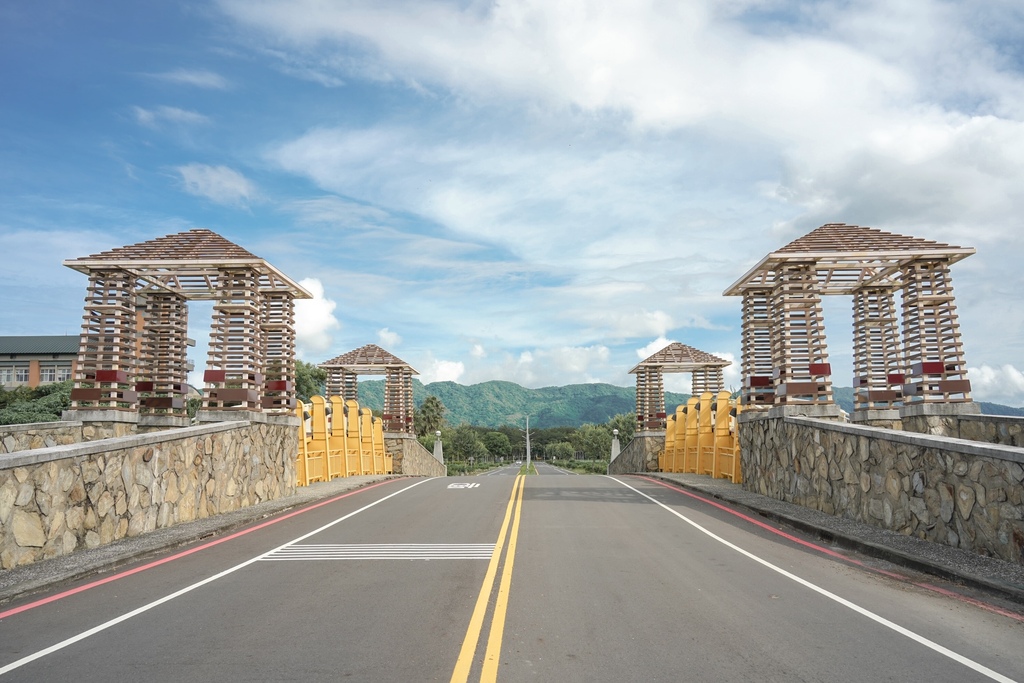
387 338
478 351
314 320
648 155
863 121
442 371
541 367
220 184
200 78
731 374
152 118
645 352
1003 384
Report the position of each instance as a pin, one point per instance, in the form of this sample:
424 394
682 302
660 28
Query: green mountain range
496 403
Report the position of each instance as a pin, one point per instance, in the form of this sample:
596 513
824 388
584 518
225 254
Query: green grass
462 468
583 466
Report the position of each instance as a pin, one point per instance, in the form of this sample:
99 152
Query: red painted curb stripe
839 556
184 553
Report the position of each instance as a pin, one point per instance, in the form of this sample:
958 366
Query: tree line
470 443
473 444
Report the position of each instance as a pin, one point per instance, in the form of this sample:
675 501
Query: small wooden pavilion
343 380
785 356
132 354
707 375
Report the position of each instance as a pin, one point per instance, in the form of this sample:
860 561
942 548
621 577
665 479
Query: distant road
503 577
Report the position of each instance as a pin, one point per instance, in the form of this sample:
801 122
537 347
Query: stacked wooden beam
107 356
163 371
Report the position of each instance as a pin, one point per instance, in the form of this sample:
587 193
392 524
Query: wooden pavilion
707 375
785 356
132 355
343 380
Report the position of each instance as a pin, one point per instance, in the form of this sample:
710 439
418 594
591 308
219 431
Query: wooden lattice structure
706 374
133 345
343 380
785 355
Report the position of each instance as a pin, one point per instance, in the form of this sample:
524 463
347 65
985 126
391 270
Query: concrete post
438 447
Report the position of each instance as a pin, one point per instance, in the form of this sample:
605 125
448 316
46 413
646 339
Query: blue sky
543 192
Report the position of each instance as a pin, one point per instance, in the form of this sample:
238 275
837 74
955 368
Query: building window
47 374
11 375
63 374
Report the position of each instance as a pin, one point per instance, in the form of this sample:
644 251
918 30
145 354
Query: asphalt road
544 578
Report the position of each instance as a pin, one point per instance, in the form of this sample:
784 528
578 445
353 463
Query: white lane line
500 470
167 598
384 551
969 663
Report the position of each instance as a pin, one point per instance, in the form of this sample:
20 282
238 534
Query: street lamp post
527 444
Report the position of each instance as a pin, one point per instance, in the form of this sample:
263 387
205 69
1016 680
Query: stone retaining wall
411 458
1005 430
25 437
640 454
55 500
961 493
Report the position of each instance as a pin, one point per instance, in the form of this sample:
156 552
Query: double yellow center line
492 655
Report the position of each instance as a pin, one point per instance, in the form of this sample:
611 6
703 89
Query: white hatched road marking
383 551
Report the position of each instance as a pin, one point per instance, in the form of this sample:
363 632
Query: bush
457 468
583 466
42 404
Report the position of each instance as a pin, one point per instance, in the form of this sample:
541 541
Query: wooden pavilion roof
367 360
849 257
187 263
678 357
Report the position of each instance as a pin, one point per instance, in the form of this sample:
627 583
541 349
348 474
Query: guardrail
702 438
339 439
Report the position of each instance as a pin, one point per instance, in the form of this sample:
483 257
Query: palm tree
429 418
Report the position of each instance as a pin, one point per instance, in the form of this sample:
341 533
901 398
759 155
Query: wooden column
650 399
277 314
933 351
108 352
877 353
163 372
333 383
343 383
757 389
641 399
398 402
801 371
707 379
234 374
350 386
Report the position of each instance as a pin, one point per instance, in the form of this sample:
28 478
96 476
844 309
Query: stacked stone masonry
26 437
948 490
409 457
640 454
55 500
